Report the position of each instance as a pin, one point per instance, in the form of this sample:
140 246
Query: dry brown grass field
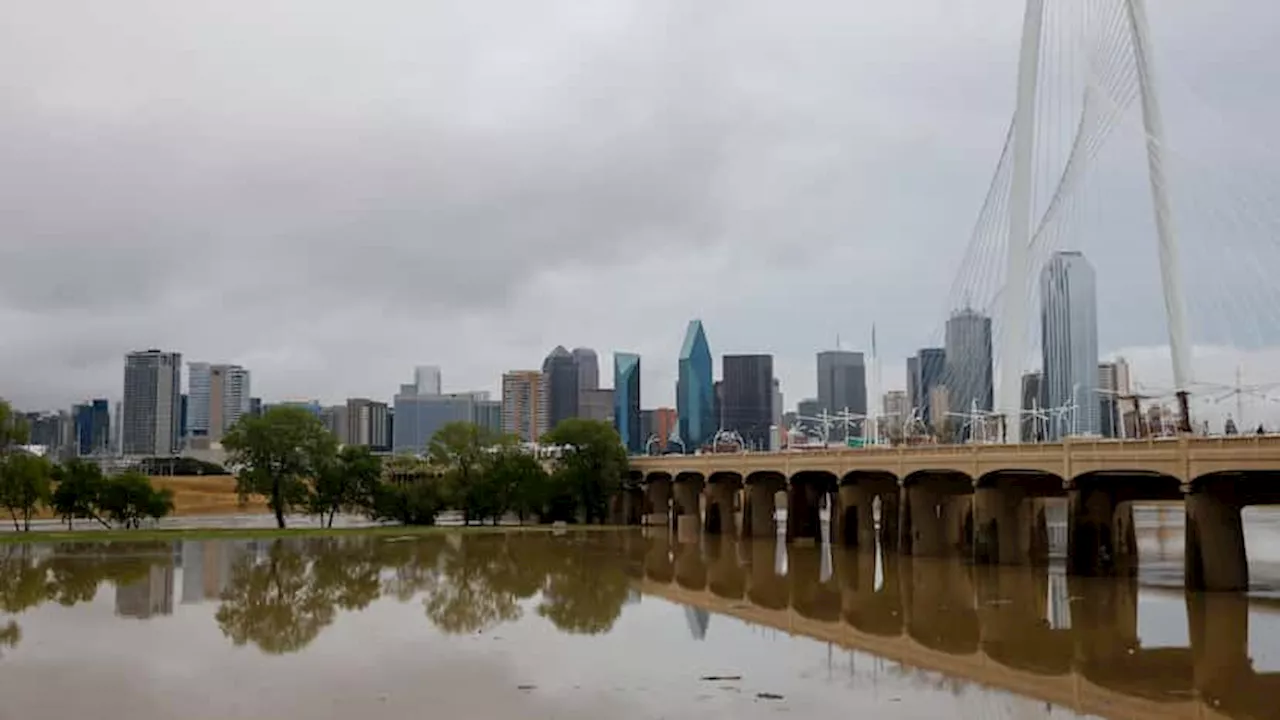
206 495
201 495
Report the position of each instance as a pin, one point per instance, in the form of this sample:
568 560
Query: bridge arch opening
760 503
657 492
863 503
808 492
1219 508
1102 509
723 492
936 519
687 504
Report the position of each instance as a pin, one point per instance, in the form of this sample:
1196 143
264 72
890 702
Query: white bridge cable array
1091 192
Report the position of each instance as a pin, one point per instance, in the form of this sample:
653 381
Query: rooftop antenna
837 341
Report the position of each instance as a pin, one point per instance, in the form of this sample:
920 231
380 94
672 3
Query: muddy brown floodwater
608 625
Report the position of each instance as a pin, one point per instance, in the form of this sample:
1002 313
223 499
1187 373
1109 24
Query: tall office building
596 404
925 371
335 420
895 408
842 381
426 380
1113 391
914 394
1069 343
92 427
524 405
748 397
659 423
419 417
217 396
368 424
695 390
152 403
588 368
968 363
1033 424
807 409
199 398
626 400
775 437
488 415
560 373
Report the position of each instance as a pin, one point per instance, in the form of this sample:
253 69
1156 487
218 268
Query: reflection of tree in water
413 564
586 590
467 599
348 573
77 569
10 634
277 604
68 576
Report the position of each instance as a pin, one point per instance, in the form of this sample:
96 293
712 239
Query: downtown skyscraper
695 390
842 382
218 395
560 373
626 401
968 357
1069 343
152 413
748 397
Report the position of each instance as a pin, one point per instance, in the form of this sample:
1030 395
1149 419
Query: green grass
50 536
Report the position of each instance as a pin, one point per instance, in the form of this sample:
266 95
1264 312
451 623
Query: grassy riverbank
145 535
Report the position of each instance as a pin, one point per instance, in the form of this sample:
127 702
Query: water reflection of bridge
999 626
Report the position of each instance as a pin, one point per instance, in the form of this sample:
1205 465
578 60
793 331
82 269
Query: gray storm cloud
331 193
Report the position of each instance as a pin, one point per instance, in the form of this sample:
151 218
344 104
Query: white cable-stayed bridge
1176 239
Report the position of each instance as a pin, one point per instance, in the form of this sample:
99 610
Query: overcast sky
331 192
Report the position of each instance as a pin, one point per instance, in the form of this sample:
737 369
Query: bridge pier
932 515
1215 553
1100 533
1009 526
757 516
853 521
658 496
688 507
628 507
721 515
1219 630
804 504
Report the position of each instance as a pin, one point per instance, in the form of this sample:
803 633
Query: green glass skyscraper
626 401
695 389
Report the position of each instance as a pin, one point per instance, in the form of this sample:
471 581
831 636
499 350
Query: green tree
520 481
345 484
25 484
13 428
411 492
461 449
129 498
275 455
79 486
591 468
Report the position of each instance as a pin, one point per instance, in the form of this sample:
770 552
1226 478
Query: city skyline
719 175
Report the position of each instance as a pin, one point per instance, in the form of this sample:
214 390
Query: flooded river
614 625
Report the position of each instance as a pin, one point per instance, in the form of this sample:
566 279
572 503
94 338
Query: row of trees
74 490
288 457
